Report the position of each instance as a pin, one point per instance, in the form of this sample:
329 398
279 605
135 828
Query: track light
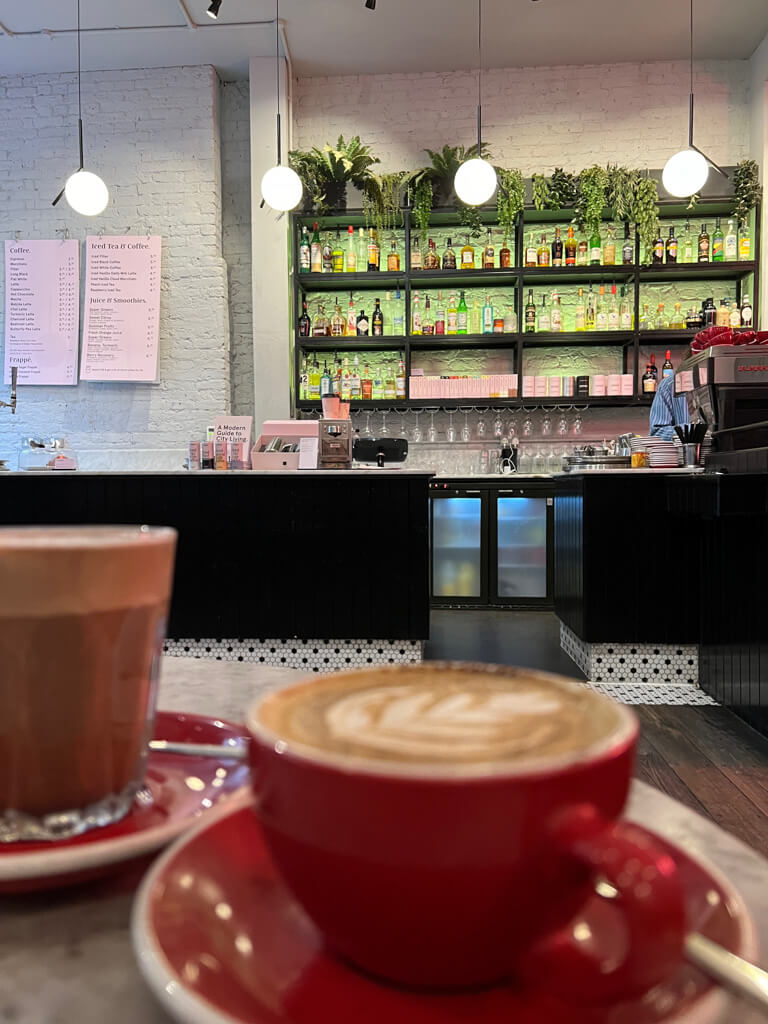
370 4
213 10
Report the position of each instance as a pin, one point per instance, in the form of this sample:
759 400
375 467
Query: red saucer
221 941
182 788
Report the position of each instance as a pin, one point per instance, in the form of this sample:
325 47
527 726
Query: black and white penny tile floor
654 693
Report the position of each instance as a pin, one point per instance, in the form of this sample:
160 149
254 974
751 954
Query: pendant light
475 180
85 191
281 186
686 172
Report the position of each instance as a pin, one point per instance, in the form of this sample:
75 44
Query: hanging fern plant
422 207
645 214
746 190
542 195
510 199
593 187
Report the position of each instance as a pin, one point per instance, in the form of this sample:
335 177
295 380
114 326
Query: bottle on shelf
667 369
544 322
625 311
613 310
731 242
718 243
362 250
689 244
672 246
489 253
316 251
509 322
628 248
390 383
338 324
355 381
649 381
393 256
556 316
305 251
476 318
416 315
660 322
530 314
304 380
452 316
531 255
440 314
377 321
398 317
374 253
351 317
337 255
427 320
557 249
336 376
505 256
677 320
362 325
431 259
654 367
570 248
746 311
461 314
645 319
325 381
416 261
467 256
723 314
366 384
595 249
321 326
745 243
400 379
449 256
313 392
377 384
542 254
488 316
590 317
350 258
498 323
708 312
582 253
703 245
327 254
658 249
305 325
601 317
609 249
345 390
580 312
735 314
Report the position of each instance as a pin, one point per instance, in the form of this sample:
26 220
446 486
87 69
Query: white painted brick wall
153 136
535 118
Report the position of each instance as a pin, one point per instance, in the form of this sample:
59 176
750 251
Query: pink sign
122 308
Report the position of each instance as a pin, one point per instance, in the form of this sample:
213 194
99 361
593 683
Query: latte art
441 715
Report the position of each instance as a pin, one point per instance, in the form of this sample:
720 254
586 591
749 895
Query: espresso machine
335 444
726 387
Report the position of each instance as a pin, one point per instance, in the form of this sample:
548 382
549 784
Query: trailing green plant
645 213
312 175
693 201
541 191
421 198
591 201
746 190
469 217
563 190
510 199
620 191
382 200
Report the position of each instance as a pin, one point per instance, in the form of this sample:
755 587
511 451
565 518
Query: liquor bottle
660 322
390 386
351 317
449 257
746 312
321 328
337 255
415 254
649 381
452 316
689 245
345 389
488 316
645 319
718 243
489 253
654 367
416 315
325 381
625 311
476 318
427 320
613 311
544 323
398 317
590 316
374 253
672 246
557 249
628 249
601 317
305 324
498 324
703 245
362 325
530 314
327 254
400 379
531 256
731 242
658 250
505 257
667 370
595 249
316 252
393 256
355 381
377 385
580 312
431 259
314 382
366 384
467 256
543 252
304 380
609 249
556 319
745 243
377 321
708 312
582 253
461 314
510 321
440 315
677 320
350 260
305 251
735 315
362 250
336 377
338 323
570 249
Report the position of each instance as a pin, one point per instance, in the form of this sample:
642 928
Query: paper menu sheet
122 308
42 306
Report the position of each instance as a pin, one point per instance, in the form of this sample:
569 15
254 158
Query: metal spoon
232 751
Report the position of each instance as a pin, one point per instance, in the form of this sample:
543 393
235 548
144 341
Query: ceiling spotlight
213 10
370 4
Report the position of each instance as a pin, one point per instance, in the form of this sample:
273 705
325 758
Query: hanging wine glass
481 428
498 425
432 429
384 432
528 425
546 425
466 433
416 432
403 424
450 433
562 424
578 425
511 428
367 432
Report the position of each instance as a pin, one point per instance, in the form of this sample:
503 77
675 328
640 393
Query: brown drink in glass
82 622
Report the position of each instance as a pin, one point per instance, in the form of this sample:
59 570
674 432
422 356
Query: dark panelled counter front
306 555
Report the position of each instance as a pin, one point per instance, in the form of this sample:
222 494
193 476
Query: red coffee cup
434 876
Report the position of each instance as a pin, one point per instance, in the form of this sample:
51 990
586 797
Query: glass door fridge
459 534
521 536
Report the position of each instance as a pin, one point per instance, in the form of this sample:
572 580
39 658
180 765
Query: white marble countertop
66 957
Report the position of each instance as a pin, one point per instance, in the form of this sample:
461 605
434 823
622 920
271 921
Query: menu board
122 308
42 305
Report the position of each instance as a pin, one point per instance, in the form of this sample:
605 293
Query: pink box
540 387
614 384
554 386
627 384
529 388
597 385
289 431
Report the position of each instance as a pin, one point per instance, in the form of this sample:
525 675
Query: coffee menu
122 308
42 306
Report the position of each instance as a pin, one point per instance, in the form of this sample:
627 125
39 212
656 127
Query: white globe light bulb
475 182
685 173
281 187
86 193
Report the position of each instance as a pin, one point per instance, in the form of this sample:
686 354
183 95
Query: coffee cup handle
627 865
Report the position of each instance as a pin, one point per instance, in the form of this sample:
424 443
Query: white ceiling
343 37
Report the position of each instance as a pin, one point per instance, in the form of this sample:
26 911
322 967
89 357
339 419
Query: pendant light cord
479 74
79 93
277 71
690 102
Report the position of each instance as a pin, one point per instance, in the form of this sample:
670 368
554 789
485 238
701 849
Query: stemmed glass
367 432
481 429
403 425
527 425
546 425
450 433
416 432
432 430
466 434
562 424
578 424
498 426
512 426
384 428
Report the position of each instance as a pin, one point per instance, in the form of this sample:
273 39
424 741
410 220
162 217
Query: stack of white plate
664 454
